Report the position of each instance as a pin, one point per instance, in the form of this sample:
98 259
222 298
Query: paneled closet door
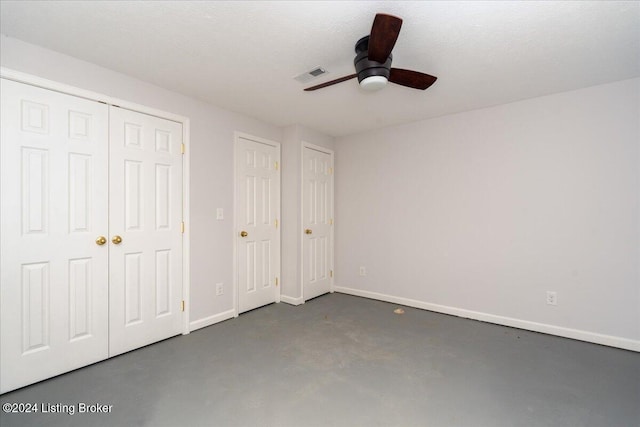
317 208
53 216
257 210
145 218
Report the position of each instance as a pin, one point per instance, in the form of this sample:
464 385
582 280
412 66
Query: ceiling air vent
310 75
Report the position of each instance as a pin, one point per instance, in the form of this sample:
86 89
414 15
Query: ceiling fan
373 60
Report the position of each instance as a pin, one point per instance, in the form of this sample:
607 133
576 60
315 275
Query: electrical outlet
363 271
552 298
219 289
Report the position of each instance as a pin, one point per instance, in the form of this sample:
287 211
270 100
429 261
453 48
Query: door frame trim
331 153
236 287
20 77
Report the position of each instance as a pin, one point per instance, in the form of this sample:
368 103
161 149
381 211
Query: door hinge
277 166
330 171
182 305
276 223
276 281
182 148
182 227
331 221
330 273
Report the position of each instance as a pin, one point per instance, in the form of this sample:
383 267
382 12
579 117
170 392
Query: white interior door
257 212
53 274
145 212
317 222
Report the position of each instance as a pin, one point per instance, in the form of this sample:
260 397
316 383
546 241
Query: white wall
480 213
211 152
293 138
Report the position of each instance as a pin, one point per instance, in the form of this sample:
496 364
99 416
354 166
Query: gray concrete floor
340 360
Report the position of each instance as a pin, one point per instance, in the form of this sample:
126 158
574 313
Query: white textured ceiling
243 55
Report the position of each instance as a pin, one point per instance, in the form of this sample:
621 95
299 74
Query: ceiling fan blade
384 33
332 82
413 79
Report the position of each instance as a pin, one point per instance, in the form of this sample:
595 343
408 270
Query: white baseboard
210 320
292 300
609 340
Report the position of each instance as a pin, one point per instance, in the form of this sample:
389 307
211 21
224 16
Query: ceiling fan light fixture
373 60
373 83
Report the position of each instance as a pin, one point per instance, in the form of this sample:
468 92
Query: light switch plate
219 213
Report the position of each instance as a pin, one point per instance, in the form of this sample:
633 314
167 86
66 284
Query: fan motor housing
366 67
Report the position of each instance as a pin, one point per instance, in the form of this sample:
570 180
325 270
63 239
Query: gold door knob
308 231
116 240
243 234
101 240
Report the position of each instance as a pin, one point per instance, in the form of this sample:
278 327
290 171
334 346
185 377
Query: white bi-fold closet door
145 212
90 219
54 278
